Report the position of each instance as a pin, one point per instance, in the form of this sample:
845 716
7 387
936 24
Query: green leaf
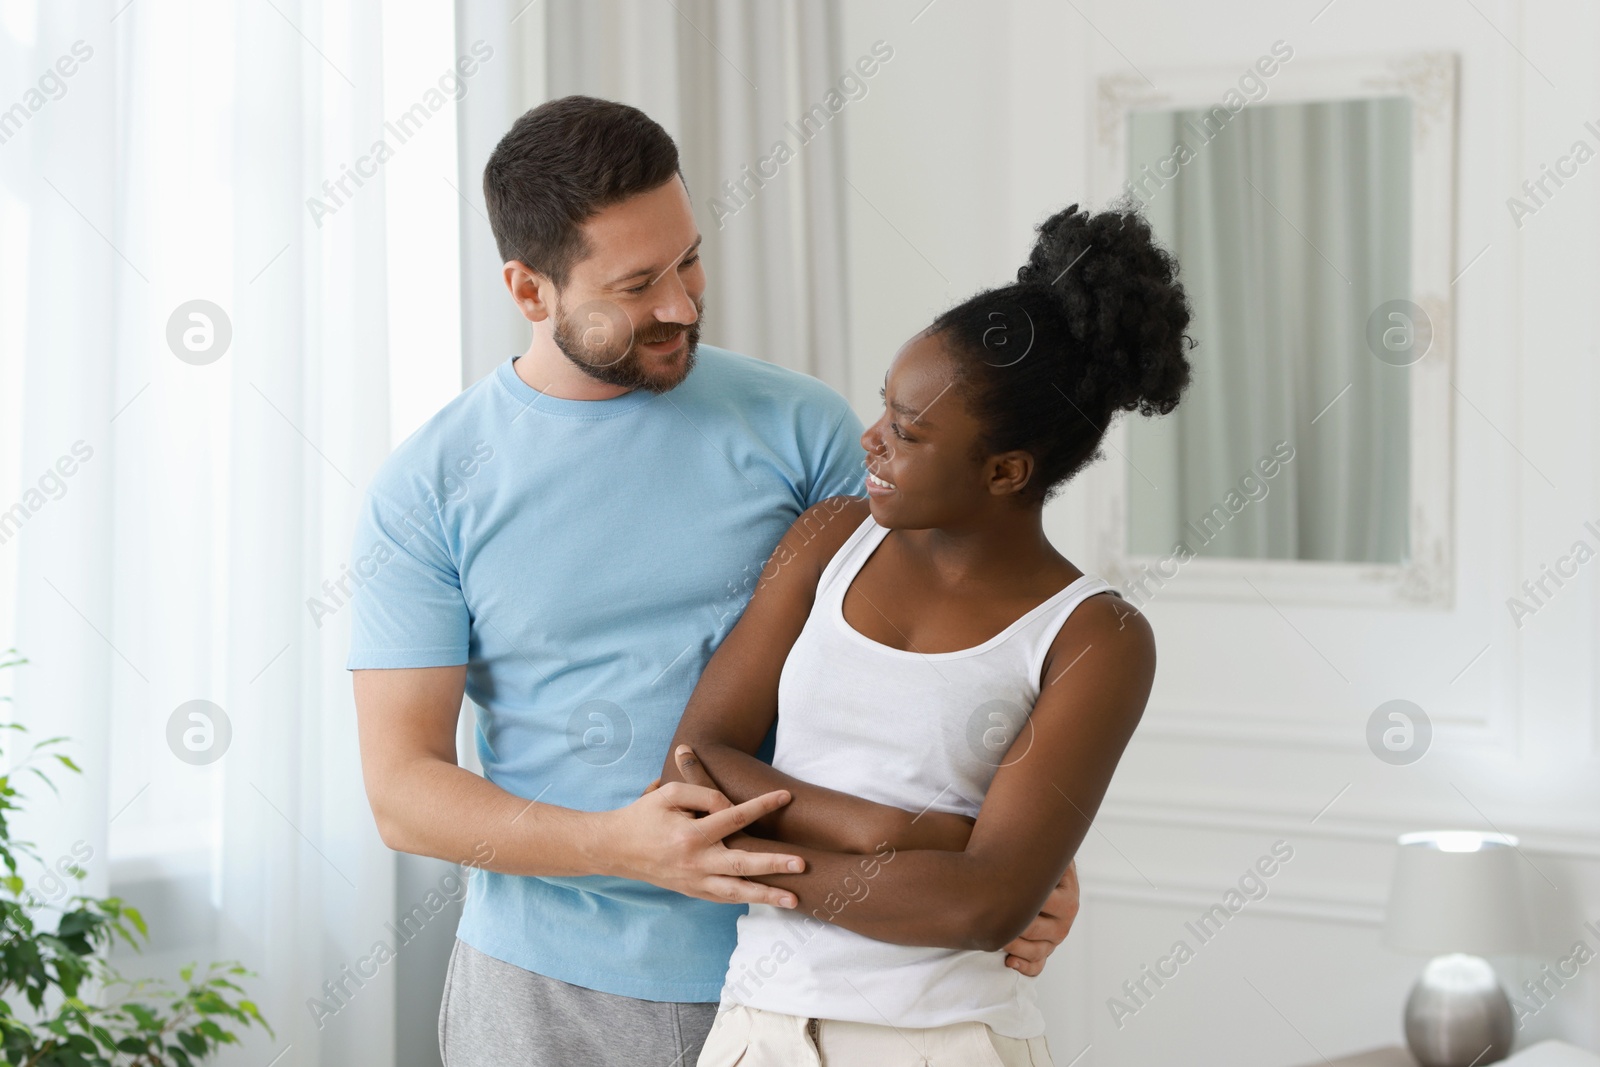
77 922
45 778
139 1022
143 1016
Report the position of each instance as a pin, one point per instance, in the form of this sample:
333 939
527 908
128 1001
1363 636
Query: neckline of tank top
1019 623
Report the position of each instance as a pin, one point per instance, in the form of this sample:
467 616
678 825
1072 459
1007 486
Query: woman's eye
638 288
691 261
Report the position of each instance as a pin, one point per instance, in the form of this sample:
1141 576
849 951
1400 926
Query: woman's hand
1029 951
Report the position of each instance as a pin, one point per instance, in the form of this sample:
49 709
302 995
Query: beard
600 340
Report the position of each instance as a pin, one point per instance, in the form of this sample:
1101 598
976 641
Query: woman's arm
736 702
1034 816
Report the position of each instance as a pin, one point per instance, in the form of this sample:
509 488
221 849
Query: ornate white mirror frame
1426 578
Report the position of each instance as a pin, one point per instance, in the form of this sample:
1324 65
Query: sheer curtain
1290 227
218 452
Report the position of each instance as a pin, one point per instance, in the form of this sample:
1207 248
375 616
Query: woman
951 694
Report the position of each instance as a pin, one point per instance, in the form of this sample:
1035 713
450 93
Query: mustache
668 331
656 337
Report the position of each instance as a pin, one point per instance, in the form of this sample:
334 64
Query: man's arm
736 702
1034 816
425 804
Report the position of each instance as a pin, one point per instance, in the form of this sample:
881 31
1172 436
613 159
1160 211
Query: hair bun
1119 292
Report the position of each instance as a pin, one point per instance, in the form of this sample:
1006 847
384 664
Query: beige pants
750 1037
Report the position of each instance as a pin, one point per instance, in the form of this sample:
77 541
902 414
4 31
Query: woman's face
924 467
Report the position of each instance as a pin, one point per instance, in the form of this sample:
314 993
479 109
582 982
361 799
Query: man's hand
1029 951
694 772
672 836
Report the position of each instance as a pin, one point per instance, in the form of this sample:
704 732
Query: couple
660 552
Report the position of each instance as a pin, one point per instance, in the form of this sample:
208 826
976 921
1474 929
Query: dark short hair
560 164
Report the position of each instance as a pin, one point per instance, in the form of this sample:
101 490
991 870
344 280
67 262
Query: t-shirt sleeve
841 469
408 609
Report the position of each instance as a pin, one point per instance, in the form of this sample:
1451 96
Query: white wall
981 126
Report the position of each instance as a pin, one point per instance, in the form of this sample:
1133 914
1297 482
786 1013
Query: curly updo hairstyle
1094 325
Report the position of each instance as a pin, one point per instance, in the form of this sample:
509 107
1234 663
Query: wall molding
1274 729
1286 904
1545 838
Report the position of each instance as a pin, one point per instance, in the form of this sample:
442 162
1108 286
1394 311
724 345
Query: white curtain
1290 226
177 562
726 78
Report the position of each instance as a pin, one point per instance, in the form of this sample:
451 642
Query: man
567 542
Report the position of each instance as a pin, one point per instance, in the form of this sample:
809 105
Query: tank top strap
851 557
1047 626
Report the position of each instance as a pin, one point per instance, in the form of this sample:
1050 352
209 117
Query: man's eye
895 426
638 288
691 261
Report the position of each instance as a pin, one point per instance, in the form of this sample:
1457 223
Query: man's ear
1009 472
534 293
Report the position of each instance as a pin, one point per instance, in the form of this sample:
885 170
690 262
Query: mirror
1310 206
1291 223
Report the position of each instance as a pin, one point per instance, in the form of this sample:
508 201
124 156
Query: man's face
629 314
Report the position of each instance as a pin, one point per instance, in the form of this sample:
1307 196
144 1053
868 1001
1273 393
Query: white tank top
919 731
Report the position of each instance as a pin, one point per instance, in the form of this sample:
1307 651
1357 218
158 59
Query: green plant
128 1023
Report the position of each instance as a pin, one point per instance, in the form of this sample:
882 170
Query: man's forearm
433 808
819 817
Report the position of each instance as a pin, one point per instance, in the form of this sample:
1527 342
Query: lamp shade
1457 891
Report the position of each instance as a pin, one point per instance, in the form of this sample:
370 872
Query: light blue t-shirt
584 559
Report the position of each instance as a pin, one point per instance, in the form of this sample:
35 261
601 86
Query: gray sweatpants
495 1014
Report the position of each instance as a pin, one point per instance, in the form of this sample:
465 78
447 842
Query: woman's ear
1010 472
534 294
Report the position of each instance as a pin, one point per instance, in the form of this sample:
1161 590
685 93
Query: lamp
1457 896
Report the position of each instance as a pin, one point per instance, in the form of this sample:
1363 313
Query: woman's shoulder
817 536
1118 632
